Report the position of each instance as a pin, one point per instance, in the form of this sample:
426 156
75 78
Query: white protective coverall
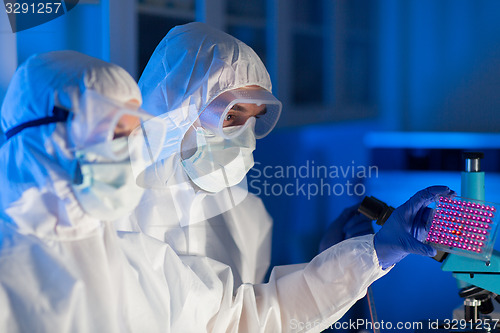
225 241
60 269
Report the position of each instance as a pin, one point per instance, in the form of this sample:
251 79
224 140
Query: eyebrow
238 107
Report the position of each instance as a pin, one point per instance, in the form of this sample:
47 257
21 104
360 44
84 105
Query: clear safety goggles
102 122
213 116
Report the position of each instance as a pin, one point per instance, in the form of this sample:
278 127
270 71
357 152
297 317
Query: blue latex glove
407 227
349 224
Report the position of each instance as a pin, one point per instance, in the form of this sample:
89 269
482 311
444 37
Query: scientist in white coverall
215 94
65 173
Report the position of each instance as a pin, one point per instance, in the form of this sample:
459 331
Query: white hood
190 67
37 162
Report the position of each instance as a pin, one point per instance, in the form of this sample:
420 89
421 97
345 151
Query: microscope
478 280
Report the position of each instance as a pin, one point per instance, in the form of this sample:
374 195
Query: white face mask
219 163
106 189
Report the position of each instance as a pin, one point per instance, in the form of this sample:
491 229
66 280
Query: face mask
219 163
104 187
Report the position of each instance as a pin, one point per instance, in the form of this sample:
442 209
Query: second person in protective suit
215 94
73 125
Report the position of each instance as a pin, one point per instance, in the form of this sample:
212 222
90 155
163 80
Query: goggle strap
58 115
146 141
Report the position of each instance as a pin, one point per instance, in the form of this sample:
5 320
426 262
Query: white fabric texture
224 238
60 269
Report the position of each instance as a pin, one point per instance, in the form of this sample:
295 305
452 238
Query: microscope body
478 280
476 272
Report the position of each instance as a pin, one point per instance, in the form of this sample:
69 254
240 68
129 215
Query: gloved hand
349 224
407 227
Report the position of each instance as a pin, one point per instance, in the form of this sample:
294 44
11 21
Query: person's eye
230 117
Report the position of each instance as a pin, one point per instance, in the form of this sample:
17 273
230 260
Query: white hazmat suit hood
222 241
192 66
56 79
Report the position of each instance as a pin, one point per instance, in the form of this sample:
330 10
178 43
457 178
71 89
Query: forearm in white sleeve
304 298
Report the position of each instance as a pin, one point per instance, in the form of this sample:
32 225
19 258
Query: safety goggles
213 116
100 121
